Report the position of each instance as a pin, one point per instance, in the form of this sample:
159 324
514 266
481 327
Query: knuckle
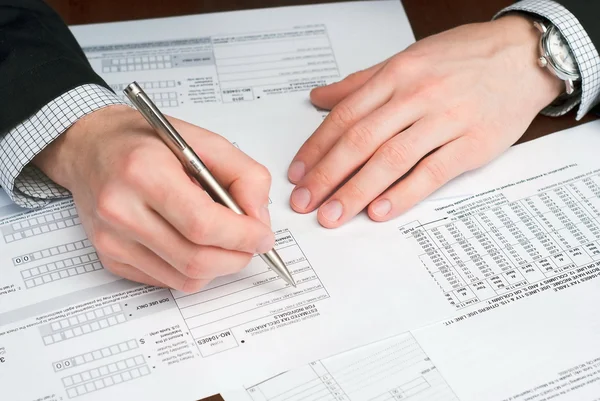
431 92
263 174
359 137
133 170
196 266
197 228
436 170
475 144
163 195
342 115
354 192
108 264
191 285
354 77
105 245
454 114
322 177
313 149
108 206
404 64
474 154
395 156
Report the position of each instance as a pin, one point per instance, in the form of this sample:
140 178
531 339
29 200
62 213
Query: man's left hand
447 104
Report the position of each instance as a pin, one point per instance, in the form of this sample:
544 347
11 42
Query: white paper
519 260
84 333
80 332
527 330
393 369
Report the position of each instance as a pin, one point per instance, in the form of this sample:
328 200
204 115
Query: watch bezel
561 72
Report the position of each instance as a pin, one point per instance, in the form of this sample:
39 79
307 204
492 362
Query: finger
186 206
326 97
128 272
137 256
390 162
372 95
191 260
247 181
430 174
352 150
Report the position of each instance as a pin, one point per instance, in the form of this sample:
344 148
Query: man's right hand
148 221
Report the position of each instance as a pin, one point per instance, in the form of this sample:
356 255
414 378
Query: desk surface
448 13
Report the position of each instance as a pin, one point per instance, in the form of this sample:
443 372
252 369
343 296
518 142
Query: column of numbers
514 243
461 251
436 263
491 259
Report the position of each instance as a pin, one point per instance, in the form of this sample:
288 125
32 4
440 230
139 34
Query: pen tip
288 278
275 263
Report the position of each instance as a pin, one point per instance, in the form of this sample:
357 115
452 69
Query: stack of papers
483 292
519 260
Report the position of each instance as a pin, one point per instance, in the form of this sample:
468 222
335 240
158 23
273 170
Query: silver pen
196 167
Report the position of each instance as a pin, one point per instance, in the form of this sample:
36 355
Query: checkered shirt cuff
586 54
25 184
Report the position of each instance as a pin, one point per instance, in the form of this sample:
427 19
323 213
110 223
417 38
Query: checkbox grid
82 324
137 63
106 376
61 269
51 252
146 85
164 98
96 355
40 224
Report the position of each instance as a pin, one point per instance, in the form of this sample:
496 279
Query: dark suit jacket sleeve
580 26
39 60
588 14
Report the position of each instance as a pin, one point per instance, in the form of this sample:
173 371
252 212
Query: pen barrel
180 148
208 182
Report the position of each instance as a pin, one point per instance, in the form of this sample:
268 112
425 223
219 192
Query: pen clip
154 117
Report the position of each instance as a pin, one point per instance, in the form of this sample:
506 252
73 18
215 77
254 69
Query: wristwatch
556 56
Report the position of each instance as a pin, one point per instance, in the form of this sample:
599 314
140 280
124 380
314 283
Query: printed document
519 260
388 370
487 291
81 332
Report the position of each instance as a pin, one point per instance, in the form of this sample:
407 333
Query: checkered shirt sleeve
584 51
25 184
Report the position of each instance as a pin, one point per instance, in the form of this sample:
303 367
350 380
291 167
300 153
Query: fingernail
301 198
332 211
266 244
264 215
296 171
382 207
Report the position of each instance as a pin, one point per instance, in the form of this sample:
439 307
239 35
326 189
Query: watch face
560 51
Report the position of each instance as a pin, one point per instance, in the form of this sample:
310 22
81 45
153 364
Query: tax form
519 260
393 369
82 333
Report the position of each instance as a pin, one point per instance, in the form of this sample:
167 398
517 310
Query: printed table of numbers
493 246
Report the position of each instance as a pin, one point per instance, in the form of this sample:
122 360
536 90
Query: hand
148 221
401 129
